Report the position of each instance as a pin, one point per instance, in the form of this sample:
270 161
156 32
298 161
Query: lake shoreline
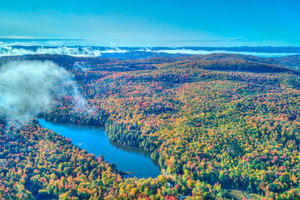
92 147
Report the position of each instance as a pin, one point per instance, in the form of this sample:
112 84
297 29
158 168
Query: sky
155 22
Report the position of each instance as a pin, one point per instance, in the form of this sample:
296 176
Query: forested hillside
219 129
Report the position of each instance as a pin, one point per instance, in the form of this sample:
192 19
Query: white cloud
203 52
9 49
24 93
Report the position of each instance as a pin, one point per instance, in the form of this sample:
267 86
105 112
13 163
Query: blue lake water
95 141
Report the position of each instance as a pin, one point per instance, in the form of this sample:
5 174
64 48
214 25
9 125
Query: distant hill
287 61
239 65
291 61
222 62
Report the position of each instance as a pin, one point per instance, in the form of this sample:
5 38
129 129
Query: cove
94 140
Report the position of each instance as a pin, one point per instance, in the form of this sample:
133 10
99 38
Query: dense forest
219 129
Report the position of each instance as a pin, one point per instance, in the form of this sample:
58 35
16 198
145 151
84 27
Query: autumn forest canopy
220 126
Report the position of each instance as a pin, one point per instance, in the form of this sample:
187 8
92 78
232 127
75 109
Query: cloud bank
35 47
28 88
203 52
31 48
7 50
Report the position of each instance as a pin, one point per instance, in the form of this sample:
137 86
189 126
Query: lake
94 140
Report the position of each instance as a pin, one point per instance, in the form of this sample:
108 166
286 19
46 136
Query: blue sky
156 22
